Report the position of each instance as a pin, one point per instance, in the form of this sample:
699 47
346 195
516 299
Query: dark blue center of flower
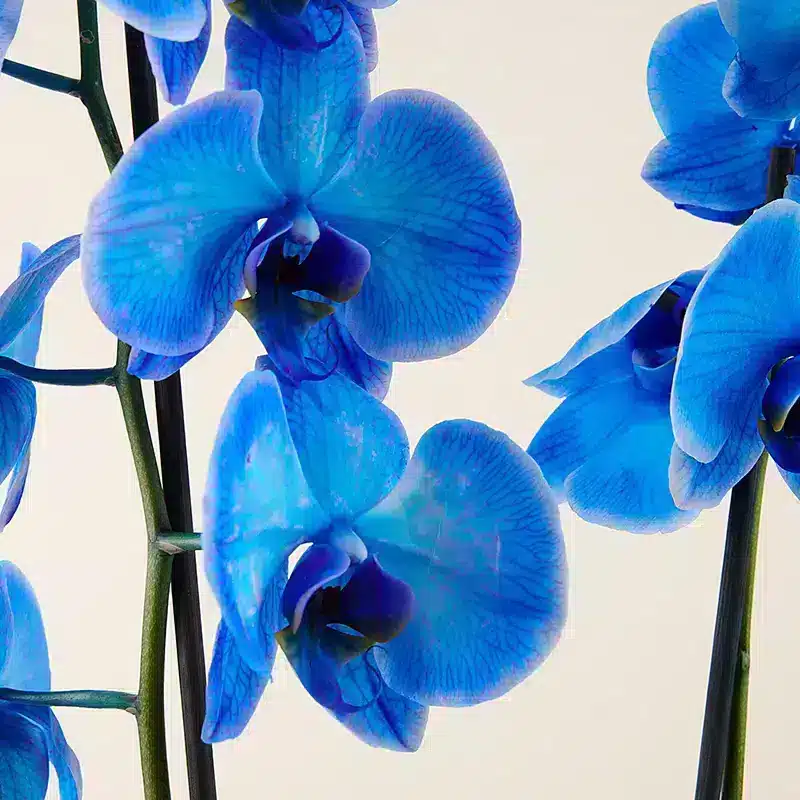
779 424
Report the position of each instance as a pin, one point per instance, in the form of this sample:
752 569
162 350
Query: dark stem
175 475
41 78
59 377
80 698
723 731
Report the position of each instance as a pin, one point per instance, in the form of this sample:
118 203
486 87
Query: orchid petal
156 250
326 90
473 530
10 12
178 20
426 193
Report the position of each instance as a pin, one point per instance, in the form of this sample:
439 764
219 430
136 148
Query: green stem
90 85
81 698
60 377
174 543
41 78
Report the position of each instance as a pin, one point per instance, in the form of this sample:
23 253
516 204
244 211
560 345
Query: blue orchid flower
31 737
21 312
737 366
712 163
10 12
291 22
434 581
763 79
608 448
177 35
171 242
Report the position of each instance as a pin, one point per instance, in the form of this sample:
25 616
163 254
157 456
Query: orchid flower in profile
738 366
31 738
712 163
177 35
21 312
400 204
763 79
434 581
608 448
291 22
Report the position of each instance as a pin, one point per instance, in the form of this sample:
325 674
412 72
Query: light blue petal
150 367
426 193
792 191
792 481
390 720
26 666
26 344
257 509
721 166
68 770
155 251
17 418
474 531
743 319
21 302
695 485
687 65
10 12
24 762
606 452
373 3
16 487
326 92
176 64
365 20
752 95
353 449
767 32
602 354
330 343
179 20
233 688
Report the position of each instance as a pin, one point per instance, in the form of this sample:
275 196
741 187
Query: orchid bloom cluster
351 232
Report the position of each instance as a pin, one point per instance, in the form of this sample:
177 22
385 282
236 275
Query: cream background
616 711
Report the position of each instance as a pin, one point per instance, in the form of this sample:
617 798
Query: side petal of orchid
157 235
751 94
331 344
24 759
687 65
426 193
601 354
606 452
178 20
152 367
326 90
17 418
234 689
176 64
258 508
365 20
10 12
743 319
722 167
473 530
21 303
353 449
62 757
695 485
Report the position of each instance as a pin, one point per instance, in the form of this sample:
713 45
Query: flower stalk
723 743
175 472
105 376
80 698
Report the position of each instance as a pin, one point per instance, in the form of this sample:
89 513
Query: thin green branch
60 377
81 698
174 543
41 78
90 86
